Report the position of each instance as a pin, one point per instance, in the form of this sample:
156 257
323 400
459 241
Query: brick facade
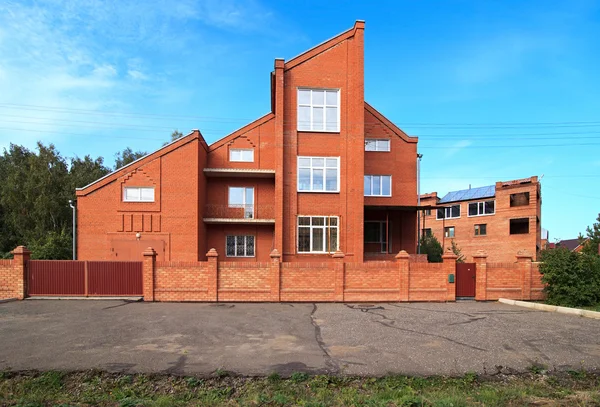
498 241
191 212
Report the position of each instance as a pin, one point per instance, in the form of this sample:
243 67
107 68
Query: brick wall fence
335 281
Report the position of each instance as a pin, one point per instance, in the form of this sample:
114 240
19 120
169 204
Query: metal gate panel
465 279
114 278
56 277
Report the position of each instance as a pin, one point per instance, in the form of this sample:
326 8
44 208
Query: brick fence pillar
213 275
148 273
275 275
480 259
449 267
18 281
403 259
338 258
524 259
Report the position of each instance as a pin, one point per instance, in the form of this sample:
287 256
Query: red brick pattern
181 281
13 279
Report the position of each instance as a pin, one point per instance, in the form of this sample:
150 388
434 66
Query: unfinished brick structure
322 171
501 219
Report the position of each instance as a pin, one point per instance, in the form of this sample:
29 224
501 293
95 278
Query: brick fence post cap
338 254
212 253
524 254
402 254
149 252
449 254
21 250
480 254
275 254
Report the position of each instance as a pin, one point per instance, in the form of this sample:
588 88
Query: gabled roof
324 46
570 244
468 194
166 149
260 121
397 130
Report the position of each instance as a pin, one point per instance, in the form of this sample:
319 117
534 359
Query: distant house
500 219
574 245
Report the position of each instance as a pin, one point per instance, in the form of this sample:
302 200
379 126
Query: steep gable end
378 124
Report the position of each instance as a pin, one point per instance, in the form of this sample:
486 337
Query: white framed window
318 174
482 208
242 197
449 212
319 110
318 234
245 155
372 144
378 185
449 231
239 246
138 194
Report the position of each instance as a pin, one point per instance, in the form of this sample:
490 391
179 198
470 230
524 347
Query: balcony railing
242 213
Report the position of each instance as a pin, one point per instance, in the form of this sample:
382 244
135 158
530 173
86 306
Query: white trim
324 190
311 227
139 194
241 150
389 145
245 248
380 185
324 106
482 214
244 204
446 207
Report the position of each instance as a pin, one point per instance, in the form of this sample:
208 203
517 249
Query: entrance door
465 279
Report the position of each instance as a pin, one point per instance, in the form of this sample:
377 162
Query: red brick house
501 219
322 171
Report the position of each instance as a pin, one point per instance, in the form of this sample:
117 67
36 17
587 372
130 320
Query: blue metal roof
468 194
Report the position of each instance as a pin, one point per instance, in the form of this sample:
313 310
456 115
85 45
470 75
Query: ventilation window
519 226
519 199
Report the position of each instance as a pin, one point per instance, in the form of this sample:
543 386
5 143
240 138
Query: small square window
241 155
449 231
481 229
519 226
426 232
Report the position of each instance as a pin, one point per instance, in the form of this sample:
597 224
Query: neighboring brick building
322 171
500 219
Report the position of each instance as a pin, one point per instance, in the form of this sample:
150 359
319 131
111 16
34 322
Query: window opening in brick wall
519 226
240 246
519 199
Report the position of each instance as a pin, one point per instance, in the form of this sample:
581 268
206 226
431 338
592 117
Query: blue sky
496 90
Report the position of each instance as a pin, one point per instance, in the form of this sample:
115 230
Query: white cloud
457 147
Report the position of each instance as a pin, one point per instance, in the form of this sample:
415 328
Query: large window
319 110
138 194
481 208
449 212
319 174
376 232
378 185
240 246
372 144
317 234
519 226
245 155
242 197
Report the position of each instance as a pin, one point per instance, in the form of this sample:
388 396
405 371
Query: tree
127 156
593 234
176 135
432 248
456 250
85 171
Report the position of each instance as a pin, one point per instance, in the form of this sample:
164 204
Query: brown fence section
84 278
56 277
114 278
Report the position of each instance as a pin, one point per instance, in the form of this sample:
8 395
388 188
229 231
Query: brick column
148 273
524 259
449 267
18 280
480 259
403 260
213 275
275 275
338 258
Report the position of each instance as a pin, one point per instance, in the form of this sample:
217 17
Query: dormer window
319 110
138 194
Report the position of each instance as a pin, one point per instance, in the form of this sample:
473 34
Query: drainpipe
419 156
74 229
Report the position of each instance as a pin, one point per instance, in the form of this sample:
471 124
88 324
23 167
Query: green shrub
573 279
432 248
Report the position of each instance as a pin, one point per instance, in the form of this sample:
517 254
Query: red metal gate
465 279
84 278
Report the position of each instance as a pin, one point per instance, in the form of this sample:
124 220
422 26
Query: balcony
250 214
239 172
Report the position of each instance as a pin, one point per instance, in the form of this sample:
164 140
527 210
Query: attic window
138 194
519 199
319 110
245 155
